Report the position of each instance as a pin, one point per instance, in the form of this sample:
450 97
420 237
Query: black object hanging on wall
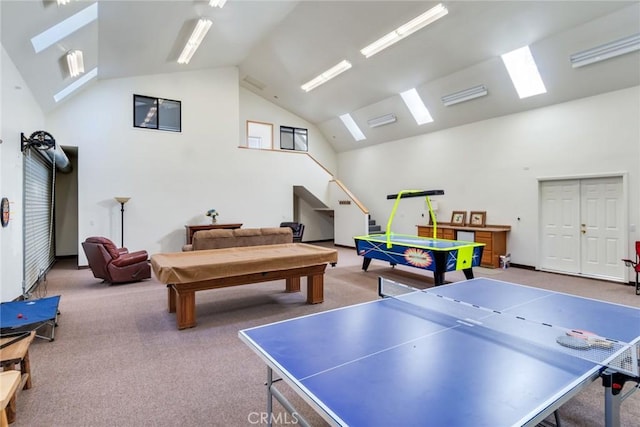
46 143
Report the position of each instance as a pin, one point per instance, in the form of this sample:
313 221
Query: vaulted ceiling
279 45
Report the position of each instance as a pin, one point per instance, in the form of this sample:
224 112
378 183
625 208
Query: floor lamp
122 201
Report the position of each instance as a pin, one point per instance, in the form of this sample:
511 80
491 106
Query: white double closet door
582 228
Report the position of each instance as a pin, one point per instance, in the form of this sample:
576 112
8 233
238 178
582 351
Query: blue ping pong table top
382 363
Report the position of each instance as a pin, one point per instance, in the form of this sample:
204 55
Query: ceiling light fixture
606 51
352 127
414 103
217 3
63 2
382 120
332 72
202 27
75 85
75 63
524 73
465 95
64 28
405 30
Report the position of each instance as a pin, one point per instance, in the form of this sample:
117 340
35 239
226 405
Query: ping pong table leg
272 392
269 396
612 398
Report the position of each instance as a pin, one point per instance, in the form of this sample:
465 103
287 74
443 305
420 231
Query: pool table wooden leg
185 305
315 289
171 299
293 284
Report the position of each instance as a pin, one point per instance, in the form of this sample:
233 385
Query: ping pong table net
508 327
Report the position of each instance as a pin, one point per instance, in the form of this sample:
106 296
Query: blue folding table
475 353
16 316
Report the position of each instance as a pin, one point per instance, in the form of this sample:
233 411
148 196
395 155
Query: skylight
75 85
414 103
353 127
64 28
524 72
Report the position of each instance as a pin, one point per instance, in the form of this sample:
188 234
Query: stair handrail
333 178
351 196
342 186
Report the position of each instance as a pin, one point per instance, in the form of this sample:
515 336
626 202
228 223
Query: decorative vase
213 220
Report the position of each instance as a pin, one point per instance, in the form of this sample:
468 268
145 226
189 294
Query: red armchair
113 264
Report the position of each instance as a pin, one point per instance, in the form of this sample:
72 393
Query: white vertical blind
38 231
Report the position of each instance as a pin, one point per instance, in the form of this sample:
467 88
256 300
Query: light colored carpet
118 359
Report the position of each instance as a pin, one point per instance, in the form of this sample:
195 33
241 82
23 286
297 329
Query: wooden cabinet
442 233
493 236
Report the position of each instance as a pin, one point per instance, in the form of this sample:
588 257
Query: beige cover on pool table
196 266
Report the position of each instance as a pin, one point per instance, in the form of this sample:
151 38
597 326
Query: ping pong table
480 352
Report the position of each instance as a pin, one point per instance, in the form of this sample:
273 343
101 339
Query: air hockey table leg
438 278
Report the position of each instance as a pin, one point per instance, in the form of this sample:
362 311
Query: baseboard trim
523 266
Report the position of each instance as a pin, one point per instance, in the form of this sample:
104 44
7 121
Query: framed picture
458 217
478 218
5 211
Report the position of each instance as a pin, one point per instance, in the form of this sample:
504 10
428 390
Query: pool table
184 273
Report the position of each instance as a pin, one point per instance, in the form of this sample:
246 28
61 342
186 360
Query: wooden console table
193 228
493 236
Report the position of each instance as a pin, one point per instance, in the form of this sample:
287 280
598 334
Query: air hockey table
436 255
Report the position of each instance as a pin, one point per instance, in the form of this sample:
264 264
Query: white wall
174 178
319 226
494 165
350 220
20 113
255 108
